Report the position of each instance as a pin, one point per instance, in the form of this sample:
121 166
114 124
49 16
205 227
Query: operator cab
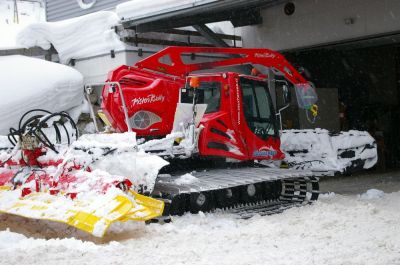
256 99
246 103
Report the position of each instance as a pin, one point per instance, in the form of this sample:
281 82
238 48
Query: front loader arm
177 67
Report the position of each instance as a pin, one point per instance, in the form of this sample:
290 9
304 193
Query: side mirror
287 95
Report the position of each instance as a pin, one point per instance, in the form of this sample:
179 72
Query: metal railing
88 91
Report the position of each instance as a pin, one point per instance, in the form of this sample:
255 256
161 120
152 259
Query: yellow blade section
146 208
94 215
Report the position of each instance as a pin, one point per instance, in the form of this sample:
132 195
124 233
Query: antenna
16 18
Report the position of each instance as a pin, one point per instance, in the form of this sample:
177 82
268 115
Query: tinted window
208 93
257 107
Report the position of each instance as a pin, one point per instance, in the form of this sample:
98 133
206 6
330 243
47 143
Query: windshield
257 107
306 95
208 93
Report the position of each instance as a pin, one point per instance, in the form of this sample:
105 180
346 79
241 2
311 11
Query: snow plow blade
93 214
148 208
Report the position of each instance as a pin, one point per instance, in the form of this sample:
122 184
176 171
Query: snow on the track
335 230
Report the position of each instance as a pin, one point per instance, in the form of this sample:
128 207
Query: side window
211 95
262 101
257 108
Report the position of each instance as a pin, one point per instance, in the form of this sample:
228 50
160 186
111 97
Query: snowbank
30 83
336 230
124 159
8 36
320 150
74 38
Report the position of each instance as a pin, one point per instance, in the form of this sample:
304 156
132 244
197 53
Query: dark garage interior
367 80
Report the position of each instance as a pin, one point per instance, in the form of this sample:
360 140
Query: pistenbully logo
149 99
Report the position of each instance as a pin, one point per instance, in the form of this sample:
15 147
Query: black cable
33 126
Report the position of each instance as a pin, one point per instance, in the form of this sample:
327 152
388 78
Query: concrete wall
322 21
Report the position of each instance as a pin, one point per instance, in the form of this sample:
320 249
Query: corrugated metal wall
63 9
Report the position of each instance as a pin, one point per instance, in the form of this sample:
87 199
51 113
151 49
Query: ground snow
75 38
31 83
335 230
372 194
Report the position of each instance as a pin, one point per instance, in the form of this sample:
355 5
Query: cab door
260 127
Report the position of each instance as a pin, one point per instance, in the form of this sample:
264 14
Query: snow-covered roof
76 38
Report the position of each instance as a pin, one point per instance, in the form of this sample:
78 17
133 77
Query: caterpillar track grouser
220 128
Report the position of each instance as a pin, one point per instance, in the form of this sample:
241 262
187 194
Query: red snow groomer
178 101
220 128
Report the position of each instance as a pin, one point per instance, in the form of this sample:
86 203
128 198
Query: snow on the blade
321 151
74 38
30 83
335 230
186 179
117 154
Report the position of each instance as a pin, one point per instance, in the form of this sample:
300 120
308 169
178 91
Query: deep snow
31 83
335 230
75 38
28 12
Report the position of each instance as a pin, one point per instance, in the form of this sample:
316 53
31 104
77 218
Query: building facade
63 9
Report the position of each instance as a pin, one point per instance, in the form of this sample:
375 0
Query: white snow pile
334 230
30 83
8 36
74 38
321 151
372 194
186 179
122 158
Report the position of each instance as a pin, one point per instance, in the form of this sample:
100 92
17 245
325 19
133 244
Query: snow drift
320 150
74 38
30 83
8 36
335 230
